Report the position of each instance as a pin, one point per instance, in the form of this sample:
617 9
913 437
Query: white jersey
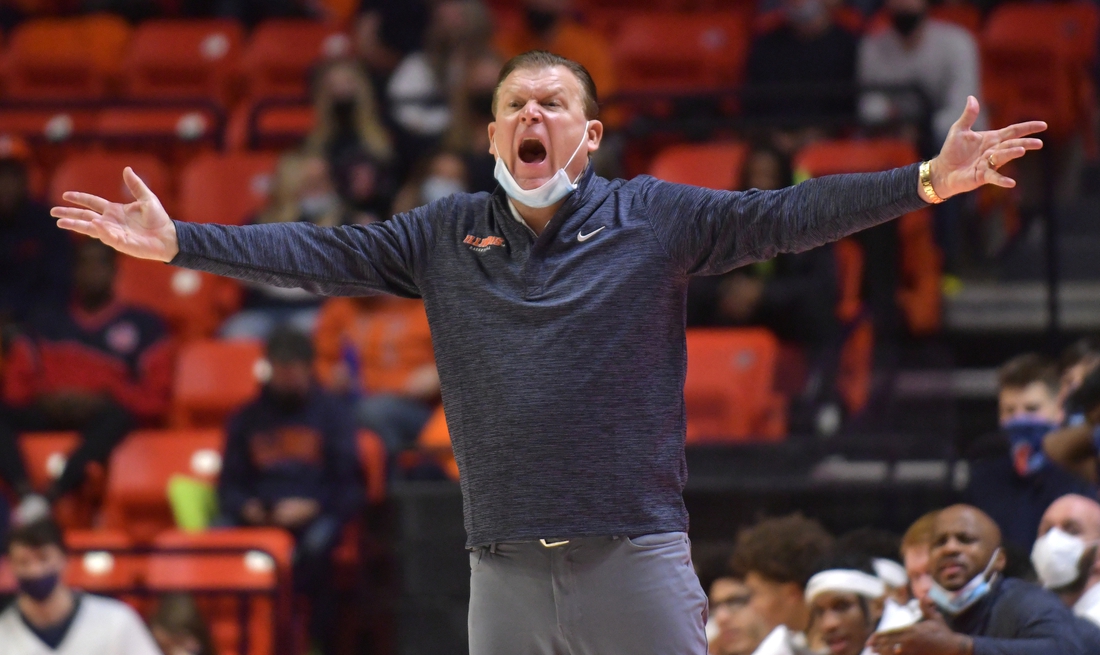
101 625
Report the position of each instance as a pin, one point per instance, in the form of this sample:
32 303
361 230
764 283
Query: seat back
700 50
214 378
728 391
100 174
241 578
65 58
227 189
192 303
710 165
136 499
272 70
183 59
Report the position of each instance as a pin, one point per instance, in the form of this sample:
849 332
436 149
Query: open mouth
531 151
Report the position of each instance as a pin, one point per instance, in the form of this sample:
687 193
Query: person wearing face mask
1076 445
556 307
291 461
302 191
796 69
939 58
973 610
1065 555
50 618
1011 478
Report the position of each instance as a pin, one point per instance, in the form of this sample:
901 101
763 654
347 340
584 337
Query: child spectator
97 366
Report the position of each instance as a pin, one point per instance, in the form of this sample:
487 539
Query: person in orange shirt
379 348
548 25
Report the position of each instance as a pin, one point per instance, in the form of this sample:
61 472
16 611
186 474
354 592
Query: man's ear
595 135
492 144
1000 560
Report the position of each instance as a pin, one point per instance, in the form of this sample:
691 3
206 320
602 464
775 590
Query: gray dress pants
591 596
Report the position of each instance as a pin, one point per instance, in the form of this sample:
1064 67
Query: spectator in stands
349 127
386 31
1076 445
916 545
846 601
437 177
251 12
420 91
471 110
50 617
303 190
179 628
880 548
1011 478
732 626
941 59
1066 554
1078 360
793 295
803 68
291 461
97 366
550 25
379 349
976 610
778 557
35 261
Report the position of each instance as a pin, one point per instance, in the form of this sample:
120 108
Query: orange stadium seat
65 58
97 566
710 165
192 303
136 500
227 189
435 440
274 126
729 387
45 455
962 14
697 50
219 566
1036 63
271 69
100 173
159 127
372 456
214 378
183 59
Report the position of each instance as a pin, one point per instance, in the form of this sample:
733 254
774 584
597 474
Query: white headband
845 581
890 572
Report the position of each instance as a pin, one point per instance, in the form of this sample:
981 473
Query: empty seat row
100 55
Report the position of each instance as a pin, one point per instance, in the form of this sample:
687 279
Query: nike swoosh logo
585 237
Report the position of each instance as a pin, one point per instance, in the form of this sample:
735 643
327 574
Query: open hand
141 228
970 159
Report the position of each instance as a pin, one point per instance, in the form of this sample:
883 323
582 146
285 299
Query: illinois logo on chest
482 244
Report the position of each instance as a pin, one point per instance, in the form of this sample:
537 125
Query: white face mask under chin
549 193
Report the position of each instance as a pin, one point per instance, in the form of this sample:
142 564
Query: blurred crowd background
168 419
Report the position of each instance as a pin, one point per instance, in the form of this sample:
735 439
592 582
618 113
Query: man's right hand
141 228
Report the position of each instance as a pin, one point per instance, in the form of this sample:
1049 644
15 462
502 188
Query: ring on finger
991 163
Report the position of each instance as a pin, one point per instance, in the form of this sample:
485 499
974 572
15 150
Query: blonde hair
368 123
286 185
920 533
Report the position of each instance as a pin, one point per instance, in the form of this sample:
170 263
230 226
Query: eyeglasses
733 603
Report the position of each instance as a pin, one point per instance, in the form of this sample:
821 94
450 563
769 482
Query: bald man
1065 554
972 610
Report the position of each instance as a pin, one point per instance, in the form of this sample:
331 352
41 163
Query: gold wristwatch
926 184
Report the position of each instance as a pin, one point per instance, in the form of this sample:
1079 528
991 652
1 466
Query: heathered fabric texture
562 361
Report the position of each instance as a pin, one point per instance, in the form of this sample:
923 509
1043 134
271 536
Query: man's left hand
970 159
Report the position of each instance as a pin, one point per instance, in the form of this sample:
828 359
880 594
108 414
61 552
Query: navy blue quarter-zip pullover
561 355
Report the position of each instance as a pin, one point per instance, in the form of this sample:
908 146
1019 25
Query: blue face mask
1025 435
954 603
40 588
549 193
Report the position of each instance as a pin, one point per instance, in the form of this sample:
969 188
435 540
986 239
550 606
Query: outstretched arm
384 257
710 232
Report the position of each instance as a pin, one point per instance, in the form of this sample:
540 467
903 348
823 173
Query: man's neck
536 217
1071 599
49 612
912 42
